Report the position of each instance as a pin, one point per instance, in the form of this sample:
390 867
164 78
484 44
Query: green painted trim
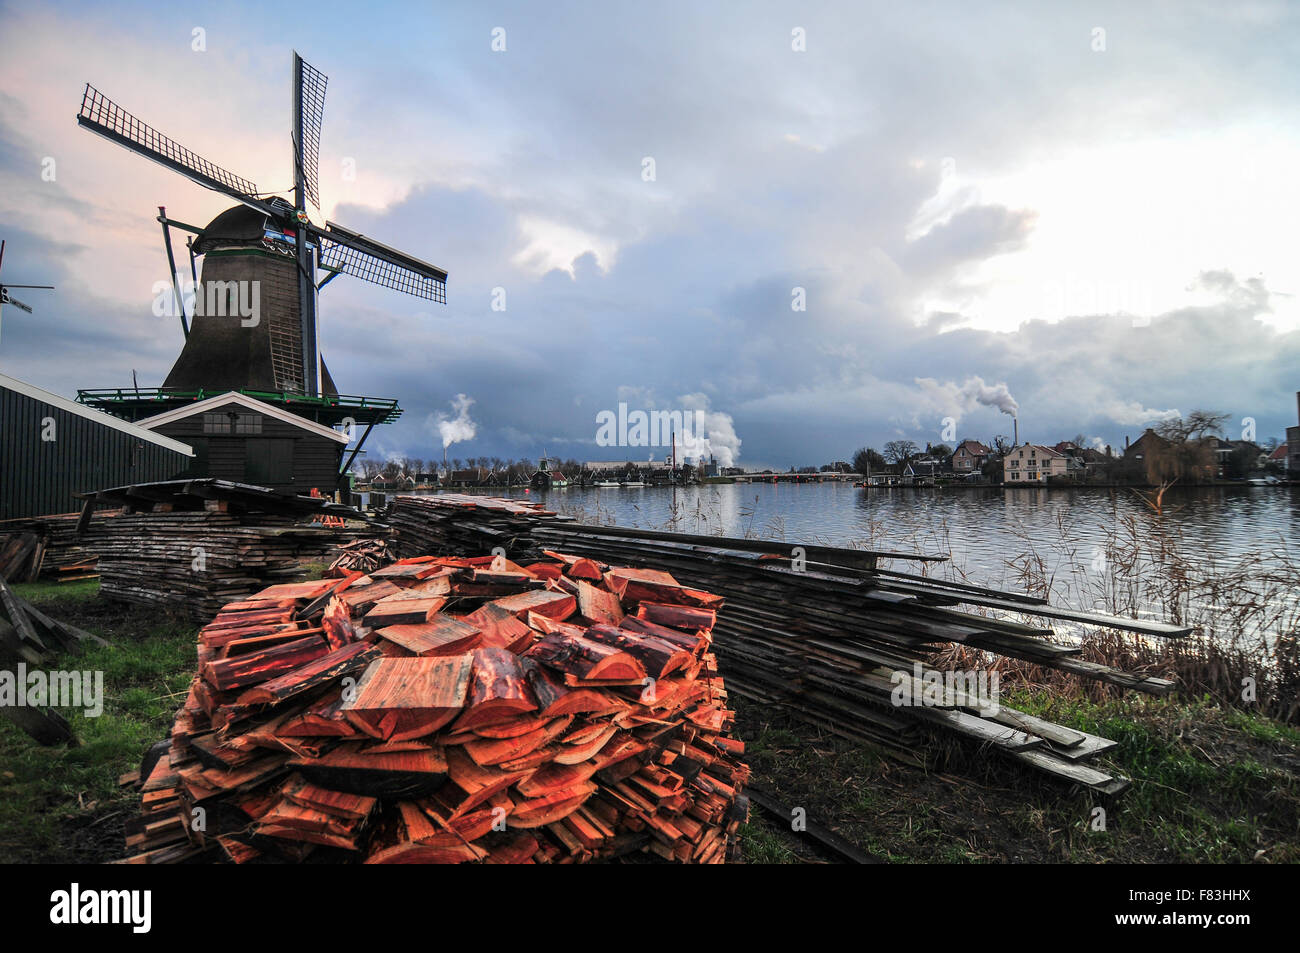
237 252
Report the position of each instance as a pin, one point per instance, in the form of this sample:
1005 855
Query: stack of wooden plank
194 545
194 563
822 633
461 523
360 555
449 710
57 551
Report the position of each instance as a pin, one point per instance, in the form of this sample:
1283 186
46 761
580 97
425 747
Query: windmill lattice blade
311 98
101 115
6 299
354 254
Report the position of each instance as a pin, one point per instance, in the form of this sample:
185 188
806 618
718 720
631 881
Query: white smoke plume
458 428
717 438
957 400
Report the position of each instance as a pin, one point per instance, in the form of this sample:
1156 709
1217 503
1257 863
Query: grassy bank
64 804
1210 785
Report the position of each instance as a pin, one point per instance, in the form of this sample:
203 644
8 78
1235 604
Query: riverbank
1212 784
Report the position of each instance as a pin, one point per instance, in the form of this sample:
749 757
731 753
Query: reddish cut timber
337 623
296 590
492 751
544 570
402 610
438 585
657 657
350 770
323 719
587 748
300 791
441 635
582 658
400 698
314 674
692 642
553 605
360 597
546 626
686 618
257 605
255 667
651 585
500 628
235 620
598 605
399 572
498 691
556 698
536 812
617 579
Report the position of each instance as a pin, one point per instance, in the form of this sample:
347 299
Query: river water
1060 542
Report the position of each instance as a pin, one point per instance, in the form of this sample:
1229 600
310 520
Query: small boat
609 484
1264 481
633 483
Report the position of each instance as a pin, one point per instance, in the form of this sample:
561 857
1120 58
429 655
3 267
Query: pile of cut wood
361 555
29 636
830 635
194 563
195 545
452 710
46 547
462 523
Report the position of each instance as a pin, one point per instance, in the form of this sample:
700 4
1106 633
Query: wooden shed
244 440
52 448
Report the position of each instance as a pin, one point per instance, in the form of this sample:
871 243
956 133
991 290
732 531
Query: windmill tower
265 251
6 298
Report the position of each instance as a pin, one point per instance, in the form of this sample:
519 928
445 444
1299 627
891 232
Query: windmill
272 243
6 298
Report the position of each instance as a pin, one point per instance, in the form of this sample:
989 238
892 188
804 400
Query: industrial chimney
1015 424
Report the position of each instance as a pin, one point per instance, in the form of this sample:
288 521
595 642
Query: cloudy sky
861 220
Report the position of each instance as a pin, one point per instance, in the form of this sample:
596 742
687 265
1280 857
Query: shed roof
95 416
251 403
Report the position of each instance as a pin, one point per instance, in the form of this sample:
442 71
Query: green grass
1210 785
64 803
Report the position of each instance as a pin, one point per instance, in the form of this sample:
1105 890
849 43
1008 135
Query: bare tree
900 451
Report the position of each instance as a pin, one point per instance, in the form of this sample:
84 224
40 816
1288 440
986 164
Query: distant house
924 468
548 475
1279 456
969 457
1031 463
1144 446
472 476
1088 461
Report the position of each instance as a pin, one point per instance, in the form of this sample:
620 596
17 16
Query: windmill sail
101 115
354 254
309 109
5 298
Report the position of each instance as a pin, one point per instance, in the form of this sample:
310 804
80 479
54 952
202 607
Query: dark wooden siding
313 461
39 477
